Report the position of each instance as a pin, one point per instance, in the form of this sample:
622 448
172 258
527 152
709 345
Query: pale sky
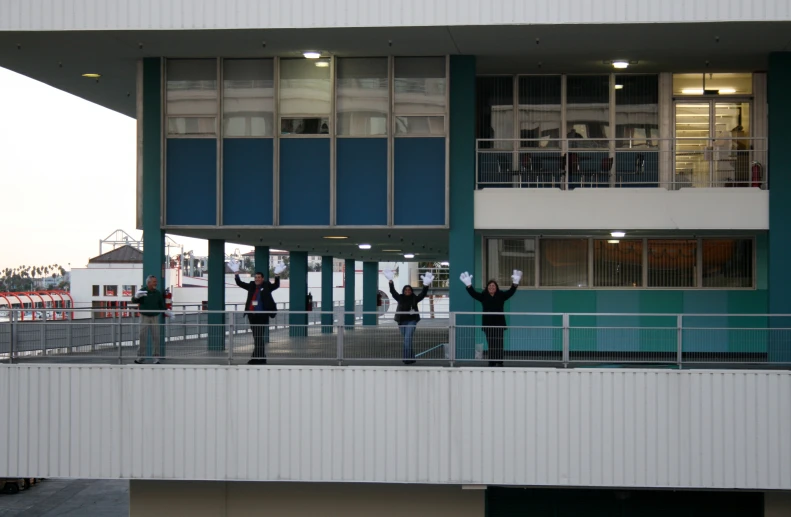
67 176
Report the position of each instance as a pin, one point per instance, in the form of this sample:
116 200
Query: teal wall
370 290
216 294
262 260
298 292
327 310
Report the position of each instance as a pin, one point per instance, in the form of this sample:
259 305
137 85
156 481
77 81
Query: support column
327 302
262 261
779 84
461 252
216 272
149 202
298 293
349 292
370 292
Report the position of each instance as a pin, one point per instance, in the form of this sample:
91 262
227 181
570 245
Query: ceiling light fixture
365 246
323 64
336 237
409 255
619 87
613 241
620 64
700 91
444 263
618 234
92 76
311 54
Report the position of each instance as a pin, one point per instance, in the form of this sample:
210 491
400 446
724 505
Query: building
629 157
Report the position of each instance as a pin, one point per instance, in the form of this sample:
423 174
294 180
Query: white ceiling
59 58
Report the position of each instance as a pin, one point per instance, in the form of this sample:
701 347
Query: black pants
494 337
260 326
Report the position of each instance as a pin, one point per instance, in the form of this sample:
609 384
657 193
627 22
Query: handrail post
120 338
679 339
44 334
452 339
340 330
566 340
14 335
231 331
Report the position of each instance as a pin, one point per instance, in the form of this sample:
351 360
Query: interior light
336 237
444 263
620 64
699 91
92 76
727 90
395 251
618 234
322 64
409 255
311 54
613 242
619 87
365 246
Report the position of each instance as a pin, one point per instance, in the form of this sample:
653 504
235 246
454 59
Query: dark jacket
493 303
265 296
153 301
407 305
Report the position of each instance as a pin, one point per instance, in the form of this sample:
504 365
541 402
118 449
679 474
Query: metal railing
455 339
569 163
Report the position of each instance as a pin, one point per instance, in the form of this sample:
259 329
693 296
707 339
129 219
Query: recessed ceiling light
311 54
322 64
92 76
618 234
336 237
620 64
619 87
613 241
365 246
409 255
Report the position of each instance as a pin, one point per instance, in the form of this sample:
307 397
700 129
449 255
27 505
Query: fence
339 337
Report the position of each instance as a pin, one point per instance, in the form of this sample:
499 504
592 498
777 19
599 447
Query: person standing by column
259 307
493 301
407 313
151 303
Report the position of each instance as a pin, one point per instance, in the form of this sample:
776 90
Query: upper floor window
191 97
713 84
363 96
420 96
305 96
248 97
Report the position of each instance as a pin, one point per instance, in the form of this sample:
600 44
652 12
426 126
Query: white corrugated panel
620 428
237 14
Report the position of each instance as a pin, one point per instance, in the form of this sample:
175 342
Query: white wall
715 429
83 280
622 209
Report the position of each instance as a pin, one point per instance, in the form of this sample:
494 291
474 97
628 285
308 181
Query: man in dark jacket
259 307
407 313
493 301
151 303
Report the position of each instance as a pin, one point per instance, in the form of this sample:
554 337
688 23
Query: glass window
671 262
420 85
420 126
539 111
128 290
363 96
191 92
713 84
563 263
95 290
305 96
495 111
618 263
637 110
505 255
588 110
727 263
248 97
111 290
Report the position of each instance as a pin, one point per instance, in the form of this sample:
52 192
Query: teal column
151 216
779 86
262 260
349 292
461 251
216 272
370 290
298 293
327 302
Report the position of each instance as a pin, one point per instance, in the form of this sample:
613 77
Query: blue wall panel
247 181
362 181
419 167
305 181
191 182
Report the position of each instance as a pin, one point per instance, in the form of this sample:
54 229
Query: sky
67 176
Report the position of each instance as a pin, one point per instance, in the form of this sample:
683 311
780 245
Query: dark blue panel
305 181
247 181
420 181
191 182
362 181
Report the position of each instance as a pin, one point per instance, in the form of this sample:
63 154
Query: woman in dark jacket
407 313
493 301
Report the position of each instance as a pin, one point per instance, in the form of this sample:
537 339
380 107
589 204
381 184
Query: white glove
280 268
427 279
466 278
233 265
517 276
141 294
168 314
388 273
